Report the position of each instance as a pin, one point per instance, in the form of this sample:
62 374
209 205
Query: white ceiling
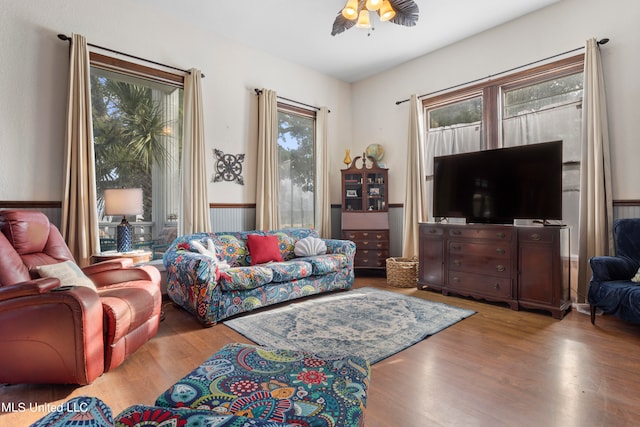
300 30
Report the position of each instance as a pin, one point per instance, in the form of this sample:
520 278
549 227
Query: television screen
498 186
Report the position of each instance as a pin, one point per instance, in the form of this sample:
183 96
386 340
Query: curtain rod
64 37
602 41
259 91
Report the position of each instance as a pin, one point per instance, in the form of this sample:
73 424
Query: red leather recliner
52 335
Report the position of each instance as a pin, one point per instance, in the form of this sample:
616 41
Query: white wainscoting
233 219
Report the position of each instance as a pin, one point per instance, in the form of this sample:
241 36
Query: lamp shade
350 10
363 19
386 11
373 5
123 201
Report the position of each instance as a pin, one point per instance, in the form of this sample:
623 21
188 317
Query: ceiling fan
356 13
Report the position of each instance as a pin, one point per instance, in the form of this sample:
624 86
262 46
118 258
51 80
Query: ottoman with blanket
218 275
247 385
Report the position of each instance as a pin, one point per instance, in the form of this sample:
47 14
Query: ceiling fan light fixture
373 5
350 10
356 14
363 19
386 12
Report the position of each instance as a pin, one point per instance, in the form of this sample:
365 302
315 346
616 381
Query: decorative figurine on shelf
347 157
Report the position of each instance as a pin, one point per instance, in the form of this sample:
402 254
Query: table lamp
123 201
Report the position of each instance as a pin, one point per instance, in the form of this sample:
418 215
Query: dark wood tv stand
523 266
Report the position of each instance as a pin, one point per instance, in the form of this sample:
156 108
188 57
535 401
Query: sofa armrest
336 246
32 287
606 268
192 283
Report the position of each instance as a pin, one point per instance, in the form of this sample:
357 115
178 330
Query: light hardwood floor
497 368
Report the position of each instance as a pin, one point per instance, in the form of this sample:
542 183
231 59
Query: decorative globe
375 151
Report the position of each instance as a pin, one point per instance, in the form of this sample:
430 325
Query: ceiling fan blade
407 12
341 24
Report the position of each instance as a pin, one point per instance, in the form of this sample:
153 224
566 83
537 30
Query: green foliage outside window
130 132
296 135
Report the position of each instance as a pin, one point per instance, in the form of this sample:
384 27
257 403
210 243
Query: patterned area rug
365 322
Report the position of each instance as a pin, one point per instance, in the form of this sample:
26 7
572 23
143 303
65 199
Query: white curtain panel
79 212
447 140
322 196
596 205
455 139
194 206
268 178
415 199
558 122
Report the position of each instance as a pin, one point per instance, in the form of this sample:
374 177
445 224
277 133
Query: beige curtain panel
79 211
415 199
596 204
268 179
194 206
323 170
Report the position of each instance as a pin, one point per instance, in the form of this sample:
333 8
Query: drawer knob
378 236
433 231
457 262
456 279
366 242
500 235
496 286
365 234
536 236
500 251
456 232
500 267
455 247
379 245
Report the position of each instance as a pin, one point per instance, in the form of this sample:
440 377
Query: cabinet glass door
376 197
353 192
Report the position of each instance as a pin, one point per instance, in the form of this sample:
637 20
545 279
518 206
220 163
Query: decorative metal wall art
228 167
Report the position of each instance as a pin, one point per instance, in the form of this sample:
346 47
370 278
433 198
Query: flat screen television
499 186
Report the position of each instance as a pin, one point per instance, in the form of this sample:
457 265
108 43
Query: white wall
555 29
33 82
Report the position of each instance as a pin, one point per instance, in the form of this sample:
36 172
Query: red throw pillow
263 249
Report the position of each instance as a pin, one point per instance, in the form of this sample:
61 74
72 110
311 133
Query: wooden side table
136 256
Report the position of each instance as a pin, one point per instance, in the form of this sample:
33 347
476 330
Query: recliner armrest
112 264
32 287
107 277
606 268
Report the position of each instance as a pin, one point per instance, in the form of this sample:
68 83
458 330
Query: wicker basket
402 272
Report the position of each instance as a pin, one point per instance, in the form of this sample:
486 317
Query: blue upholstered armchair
611 288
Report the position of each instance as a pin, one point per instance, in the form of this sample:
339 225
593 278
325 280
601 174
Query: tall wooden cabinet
365 216
525 267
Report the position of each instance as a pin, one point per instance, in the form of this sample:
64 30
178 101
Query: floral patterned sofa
196 283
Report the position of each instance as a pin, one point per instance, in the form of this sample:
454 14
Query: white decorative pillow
211 251
636 278
68 273
310 246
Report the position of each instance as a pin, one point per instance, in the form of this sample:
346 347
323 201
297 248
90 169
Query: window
296 141
137 126
537 105
454 127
